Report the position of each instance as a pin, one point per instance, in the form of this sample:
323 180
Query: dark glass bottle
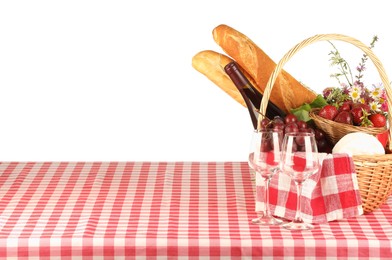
250 94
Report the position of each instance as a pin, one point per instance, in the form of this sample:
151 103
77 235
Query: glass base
298 226
264 220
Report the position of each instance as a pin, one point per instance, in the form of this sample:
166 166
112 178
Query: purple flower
327 92
361 67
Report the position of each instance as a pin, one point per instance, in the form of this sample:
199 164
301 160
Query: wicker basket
374 173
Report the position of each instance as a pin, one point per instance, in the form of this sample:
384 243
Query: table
161 209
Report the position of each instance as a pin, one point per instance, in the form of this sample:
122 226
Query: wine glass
264 159
299 161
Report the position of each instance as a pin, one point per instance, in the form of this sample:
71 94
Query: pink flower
327 92
384 107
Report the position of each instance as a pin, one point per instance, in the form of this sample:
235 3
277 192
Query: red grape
307 130
278 126
300 140
321 144
264 123
291 128
318 134
277 119
302 124
290 118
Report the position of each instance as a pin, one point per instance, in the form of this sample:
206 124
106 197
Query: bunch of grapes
290 124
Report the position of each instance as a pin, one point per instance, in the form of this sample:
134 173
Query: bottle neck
236 75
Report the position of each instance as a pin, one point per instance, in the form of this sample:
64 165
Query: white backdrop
112 80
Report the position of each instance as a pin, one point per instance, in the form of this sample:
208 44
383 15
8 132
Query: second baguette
211 64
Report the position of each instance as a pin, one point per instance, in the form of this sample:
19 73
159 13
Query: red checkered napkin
331 194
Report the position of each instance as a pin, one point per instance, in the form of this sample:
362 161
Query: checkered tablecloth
150 209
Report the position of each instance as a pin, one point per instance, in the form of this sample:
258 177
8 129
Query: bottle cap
235 74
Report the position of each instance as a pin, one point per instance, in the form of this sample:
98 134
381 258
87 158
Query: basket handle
326 37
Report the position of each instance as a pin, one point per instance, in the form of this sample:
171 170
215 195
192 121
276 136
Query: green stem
342 69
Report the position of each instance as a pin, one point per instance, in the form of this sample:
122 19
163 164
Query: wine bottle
232 71
249 92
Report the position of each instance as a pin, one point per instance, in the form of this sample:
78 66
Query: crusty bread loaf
287 92
211 64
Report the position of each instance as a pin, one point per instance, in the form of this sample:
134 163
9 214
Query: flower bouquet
353 106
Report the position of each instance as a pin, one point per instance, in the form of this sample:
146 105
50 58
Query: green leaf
318 102
305 107
302 114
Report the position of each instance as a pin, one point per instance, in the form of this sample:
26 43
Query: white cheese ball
359 143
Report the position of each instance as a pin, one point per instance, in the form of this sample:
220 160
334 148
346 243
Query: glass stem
267 212
298 218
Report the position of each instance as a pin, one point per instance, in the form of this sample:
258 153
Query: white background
112 80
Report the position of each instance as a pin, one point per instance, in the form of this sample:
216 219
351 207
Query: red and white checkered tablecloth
161 209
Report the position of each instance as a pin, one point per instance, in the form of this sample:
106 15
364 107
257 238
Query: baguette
211 64
287 92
